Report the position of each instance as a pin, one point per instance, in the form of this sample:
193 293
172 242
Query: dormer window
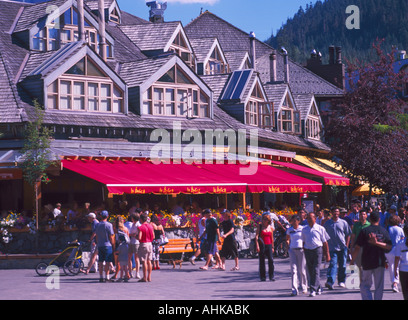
180 47
289 120
313 124
114 16
175 94
258 112
85 87
216 64
64 30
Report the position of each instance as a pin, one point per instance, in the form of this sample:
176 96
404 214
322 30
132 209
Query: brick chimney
156 12
272 62
334 71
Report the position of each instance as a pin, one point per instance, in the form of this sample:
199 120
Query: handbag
163 240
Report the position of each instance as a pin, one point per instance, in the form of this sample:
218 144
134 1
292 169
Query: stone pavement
187 283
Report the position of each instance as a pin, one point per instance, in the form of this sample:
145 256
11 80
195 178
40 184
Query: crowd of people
371 238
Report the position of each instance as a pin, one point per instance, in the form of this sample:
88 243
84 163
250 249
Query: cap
104 214
393 207
205 211
91 215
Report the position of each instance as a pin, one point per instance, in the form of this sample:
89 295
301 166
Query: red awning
139 177
329 179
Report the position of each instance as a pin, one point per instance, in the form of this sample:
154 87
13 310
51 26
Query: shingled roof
233 39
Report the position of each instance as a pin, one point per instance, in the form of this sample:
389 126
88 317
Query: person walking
94 248
200 243
158 232
104 239
357 227
296 256
375 241
146 236
339 232
401 263
134 243
314 238
212 236
397 235
229 246
264 247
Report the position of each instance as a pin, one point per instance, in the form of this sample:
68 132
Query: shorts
211 247
133 248
123 262
145 251
229 249
105 254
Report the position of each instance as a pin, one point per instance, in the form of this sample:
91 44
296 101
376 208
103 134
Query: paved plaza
187 283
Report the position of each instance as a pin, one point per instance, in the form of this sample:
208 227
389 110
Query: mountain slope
324 24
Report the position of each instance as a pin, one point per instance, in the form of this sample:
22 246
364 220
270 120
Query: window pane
181 78
67 16
78 68
147 107
53 87
65 87
92 89
105 105
79 88
105 90
66 36
117 105
65 102
170 105
117 93
168 76
92 70
92 104
79 103
182 102
52 102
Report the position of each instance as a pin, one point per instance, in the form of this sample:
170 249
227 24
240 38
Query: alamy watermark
353 20
206 146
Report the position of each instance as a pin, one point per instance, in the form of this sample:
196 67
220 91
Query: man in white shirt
314 238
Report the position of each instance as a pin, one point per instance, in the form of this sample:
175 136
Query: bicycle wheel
73 266
283 249
41 269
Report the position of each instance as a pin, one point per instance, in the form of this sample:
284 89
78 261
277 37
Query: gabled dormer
49 26
287 114
74 79
166 87
245 99
111 9
157 38
311 121
210 57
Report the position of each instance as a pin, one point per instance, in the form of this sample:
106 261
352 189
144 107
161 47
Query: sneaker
192 261
312 294
394 288
294 293
319 291
342 285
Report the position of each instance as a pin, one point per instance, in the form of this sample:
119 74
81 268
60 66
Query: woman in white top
296 256
401 260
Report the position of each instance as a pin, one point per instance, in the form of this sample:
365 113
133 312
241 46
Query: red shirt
147 233
266 236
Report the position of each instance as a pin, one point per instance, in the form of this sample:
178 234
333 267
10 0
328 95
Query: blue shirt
103 232
338 232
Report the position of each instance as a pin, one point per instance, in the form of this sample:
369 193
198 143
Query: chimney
102 35
252 49
286 65
81 21
331 54
272 61
338 55
156 12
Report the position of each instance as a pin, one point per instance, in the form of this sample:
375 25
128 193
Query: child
123 252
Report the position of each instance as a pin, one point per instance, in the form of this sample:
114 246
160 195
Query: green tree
36 153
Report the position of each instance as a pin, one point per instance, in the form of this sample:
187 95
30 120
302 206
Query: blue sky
260 16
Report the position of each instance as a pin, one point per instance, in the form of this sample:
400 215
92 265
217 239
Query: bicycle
70 260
